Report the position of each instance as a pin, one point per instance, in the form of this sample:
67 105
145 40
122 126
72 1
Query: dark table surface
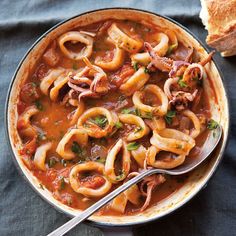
22 211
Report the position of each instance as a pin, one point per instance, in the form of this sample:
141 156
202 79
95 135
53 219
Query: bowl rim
89 221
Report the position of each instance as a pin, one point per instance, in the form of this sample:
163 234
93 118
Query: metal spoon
190 164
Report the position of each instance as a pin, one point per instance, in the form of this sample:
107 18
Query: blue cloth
22 212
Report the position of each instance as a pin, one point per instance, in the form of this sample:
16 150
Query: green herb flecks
75 66
121 98
128 111
64 162
212 124
34 84
100 160
132 146
121 175
52 162
118 125
100 121
75 148
146 71
182 84
39 105
62 183
135 65
169 116
171 48
41 136
146 115
179 146
138 129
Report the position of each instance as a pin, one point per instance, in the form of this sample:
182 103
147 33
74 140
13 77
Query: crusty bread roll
219 18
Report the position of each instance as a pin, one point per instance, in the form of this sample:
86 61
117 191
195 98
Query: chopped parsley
128 111
41 136
147 115
75 66
181 83
146 71
64 162
100 160
75 148
52 162
121 175
39 105
133 146
121 98
34 84
100 121
135 65
169 116
211 125
118 125
171 48
179 146
137 129
62 183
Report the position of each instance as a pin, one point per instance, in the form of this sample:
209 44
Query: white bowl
219 109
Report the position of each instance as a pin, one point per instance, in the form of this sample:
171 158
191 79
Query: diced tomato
119 77
51 57
104 27
41 71
93 182
29 148
21 107
108 56
51 175
29 93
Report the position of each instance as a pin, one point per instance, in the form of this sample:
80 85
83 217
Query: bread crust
221 24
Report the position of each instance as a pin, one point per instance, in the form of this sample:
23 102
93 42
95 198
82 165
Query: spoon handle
89 211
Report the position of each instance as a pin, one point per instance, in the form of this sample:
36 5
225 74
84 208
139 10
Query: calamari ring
132 194
78 111
94 130
110 162
135 82
119 203
160 49
172 140
139 155
57 85
136 120
173 38
197 126
124 41
75 36
163 164
156 123
86 191
40 156
167 86
23 124
81 137
116 61
48 80
156 110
